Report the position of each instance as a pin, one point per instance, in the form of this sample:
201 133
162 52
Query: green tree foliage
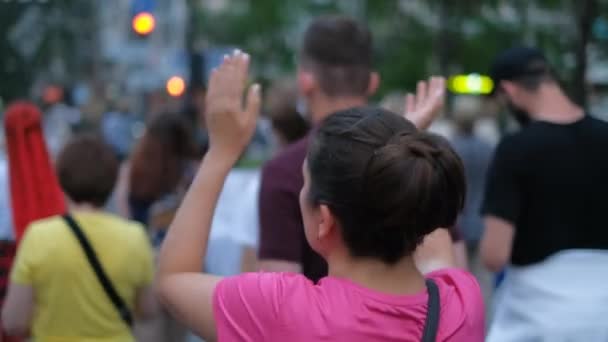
413 38
60 36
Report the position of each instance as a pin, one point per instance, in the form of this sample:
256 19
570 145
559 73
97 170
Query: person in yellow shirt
54 293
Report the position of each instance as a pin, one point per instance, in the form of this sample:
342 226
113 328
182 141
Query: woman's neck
400 278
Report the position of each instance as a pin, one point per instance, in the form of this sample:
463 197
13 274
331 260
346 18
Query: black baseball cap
517 62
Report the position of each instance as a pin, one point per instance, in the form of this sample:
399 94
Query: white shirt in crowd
235 223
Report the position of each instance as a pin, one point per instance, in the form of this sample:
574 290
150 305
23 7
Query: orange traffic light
176 86
143 23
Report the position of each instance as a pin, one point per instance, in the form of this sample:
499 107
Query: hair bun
417 179
388 184
418 144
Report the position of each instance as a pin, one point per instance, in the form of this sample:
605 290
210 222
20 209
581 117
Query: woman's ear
327 222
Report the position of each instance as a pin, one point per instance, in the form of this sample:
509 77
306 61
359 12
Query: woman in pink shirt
375 187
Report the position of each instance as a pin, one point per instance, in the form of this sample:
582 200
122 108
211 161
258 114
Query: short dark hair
339 51
533 81
87 170
388 184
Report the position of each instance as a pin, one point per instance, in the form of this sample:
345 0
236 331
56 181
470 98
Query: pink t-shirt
289 307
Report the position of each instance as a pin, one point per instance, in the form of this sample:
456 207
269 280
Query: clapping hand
424 107
231 123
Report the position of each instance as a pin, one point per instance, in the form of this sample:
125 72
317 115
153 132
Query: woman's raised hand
230 122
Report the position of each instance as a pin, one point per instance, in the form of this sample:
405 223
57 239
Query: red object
35 191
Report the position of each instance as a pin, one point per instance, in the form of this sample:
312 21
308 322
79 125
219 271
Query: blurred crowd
126 173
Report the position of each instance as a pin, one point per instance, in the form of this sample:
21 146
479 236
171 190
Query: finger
441 87
229 60
212 82
434 85
253 102
437 91
421 89
242 66
410 103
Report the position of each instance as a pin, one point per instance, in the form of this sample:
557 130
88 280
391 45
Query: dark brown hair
87 170
542 73
160 156
339 52
388 184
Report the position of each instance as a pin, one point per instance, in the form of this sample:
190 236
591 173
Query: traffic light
176 86
143 23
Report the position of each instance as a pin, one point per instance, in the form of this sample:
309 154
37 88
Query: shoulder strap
431 325
105 282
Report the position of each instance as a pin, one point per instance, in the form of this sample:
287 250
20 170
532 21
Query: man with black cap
545 210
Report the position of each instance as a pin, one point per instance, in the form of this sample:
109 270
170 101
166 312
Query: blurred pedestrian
55 291
476 155
117 129
375 186
152 187
159 170
335 72
59 119
545 207
34 189
289 125
8 247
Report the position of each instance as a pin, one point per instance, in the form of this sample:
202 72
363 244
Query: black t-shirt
551 182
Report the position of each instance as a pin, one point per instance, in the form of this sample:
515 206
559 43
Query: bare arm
496 243
182 288
18 310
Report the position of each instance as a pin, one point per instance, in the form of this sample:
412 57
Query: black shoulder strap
431 325
107 285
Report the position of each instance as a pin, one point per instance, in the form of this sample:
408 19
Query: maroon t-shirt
281 228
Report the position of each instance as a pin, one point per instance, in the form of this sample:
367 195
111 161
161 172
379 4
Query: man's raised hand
424 107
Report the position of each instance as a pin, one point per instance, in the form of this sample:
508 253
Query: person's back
564 169
560 249
545 206
71 305
55 294
289 307
281 231
335 72
476 155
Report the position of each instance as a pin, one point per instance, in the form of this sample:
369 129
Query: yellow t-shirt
71 304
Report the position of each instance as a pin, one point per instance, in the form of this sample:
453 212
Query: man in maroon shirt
335 73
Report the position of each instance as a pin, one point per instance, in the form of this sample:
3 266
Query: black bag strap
106 283
431 325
